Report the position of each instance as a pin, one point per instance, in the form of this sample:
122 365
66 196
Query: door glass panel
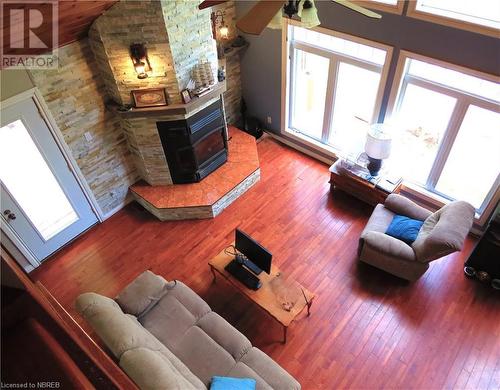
28 178
354 101
309 93
474 161
421 120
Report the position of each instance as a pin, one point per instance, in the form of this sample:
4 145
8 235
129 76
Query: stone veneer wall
231 63
147 151
112 34
75 95
190 35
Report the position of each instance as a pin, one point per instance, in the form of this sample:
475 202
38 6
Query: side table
369 191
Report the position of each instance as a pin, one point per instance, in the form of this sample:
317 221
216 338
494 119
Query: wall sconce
218 22
139 55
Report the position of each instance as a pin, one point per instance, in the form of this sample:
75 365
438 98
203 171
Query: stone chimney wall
176 34
190 36
111 35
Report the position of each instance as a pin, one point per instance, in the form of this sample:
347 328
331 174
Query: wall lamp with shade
219 23
139 55
378 146
304 9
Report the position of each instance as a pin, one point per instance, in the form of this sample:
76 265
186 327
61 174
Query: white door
41 200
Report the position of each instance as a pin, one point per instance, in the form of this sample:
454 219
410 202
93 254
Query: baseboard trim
293 145
112 212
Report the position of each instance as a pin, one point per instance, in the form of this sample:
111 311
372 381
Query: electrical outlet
88 137
269 120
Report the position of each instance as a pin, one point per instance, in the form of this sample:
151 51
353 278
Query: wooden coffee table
281 297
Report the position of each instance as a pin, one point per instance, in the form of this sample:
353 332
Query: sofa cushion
228 383
275 376
142 293
150 370
178 310
224 334
404 228
444 231
119 331
241 370
204 357
380 220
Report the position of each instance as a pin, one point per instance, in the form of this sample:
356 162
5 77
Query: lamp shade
309 14
379 141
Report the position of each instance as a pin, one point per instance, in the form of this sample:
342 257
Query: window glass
354 101
310 79
474 161
454 79
422 120
339 45
482 12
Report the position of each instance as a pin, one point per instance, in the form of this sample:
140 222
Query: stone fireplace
178 143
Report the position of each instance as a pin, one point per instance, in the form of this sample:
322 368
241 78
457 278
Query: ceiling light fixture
304 9
309 14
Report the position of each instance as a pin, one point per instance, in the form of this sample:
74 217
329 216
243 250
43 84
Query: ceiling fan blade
256 20
358 8
210 3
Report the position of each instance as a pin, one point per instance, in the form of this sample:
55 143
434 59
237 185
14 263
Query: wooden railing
69 326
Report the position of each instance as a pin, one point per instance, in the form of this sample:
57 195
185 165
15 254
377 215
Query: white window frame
464 100
381 6
335 58
413 12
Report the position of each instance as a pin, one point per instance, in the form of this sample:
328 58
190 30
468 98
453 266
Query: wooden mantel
174 109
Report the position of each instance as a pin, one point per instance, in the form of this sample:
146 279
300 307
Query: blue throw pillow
227 383
404 228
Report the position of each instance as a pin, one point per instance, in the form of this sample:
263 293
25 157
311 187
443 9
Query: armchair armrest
388 245
404 206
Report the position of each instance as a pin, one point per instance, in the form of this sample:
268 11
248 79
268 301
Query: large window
481 16
448 122
335 86
394 6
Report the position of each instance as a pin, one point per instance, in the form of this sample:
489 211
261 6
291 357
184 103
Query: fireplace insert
196 146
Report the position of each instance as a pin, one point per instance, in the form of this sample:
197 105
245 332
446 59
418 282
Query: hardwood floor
367 329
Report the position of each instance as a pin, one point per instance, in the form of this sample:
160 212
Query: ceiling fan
269 13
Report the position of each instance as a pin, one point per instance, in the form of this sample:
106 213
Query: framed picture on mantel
150 97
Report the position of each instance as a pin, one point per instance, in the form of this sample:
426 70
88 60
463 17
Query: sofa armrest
388 245
270 371
150 370
142 293
444 232
404 206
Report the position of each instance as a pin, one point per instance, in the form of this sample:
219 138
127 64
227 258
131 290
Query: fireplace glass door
209 147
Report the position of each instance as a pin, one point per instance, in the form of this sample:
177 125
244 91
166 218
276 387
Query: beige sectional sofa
166 337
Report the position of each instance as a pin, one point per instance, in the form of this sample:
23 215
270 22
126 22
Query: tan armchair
442 233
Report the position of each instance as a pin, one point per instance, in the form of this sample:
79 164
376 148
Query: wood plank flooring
367 329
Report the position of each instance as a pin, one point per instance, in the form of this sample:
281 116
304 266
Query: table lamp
378 146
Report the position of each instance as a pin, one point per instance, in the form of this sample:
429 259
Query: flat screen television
258 258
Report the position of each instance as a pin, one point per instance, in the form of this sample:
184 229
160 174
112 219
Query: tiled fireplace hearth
214 193
189 168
